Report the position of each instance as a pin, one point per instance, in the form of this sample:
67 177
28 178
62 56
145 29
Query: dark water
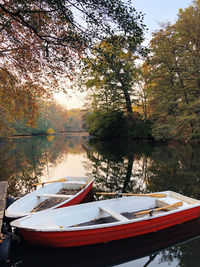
118 166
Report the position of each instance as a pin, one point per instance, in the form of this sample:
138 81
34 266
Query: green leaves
113 124
175 77
110 73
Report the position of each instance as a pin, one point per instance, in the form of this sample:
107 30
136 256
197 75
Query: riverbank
75 133
84 133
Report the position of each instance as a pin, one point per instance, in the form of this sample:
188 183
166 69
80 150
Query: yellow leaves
18 101
103 44
180 10
50 138
123 55
50 131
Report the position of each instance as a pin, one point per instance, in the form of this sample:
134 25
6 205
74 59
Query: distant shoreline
75 133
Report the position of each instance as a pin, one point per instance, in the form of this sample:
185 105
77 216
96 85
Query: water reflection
118 166
25 161
177 246
176 168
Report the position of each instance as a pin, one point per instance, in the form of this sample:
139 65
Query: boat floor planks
50 202
110 219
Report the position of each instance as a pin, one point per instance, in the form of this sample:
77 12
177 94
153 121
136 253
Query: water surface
118 166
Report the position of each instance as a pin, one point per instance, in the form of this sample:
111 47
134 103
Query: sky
155 11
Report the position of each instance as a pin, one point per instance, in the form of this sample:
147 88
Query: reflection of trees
175 168
120 166
186 254
23 163
23 160
115 164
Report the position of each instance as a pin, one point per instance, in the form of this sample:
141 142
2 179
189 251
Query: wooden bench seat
114 214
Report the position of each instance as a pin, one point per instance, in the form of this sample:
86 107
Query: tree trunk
129 172
128 101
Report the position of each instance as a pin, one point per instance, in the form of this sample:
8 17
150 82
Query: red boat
112 253
61 193
107 220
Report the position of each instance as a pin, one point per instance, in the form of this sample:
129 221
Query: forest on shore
52 118
133 91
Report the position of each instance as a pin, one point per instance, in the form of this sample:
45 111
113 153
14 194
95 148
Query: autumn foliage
42 42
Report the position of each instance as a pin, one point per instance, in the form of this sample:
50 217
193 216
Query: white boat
107 220
68 191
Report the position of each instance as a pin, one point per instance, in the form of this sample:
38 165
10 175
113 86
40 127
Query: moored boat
115 252
64 192
107 220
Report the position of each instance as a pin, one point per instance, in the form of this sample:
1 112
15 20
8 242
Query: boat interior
110 211
108 215
48 200
48 196
140 207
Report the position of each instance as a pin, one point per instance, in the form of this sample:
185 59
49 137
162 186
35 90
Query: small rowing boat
61 193
116 252
107 220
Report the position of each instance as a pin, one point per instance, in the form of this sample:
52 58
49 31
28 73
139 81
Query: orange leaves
20 101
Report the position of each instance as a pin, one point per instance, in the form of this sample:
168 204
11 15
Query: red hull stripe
100 235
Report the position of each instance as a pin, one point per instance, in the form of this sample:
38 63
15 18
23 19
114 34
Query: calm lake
118 166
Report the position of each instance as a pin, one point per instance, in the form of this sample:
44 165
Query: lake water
118 166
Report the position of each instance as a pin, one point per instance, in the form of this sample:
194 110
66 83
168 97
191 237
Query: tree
50 115
17 101
41 41
143 89
45 36
74 120
111 73
175 77
112 124
165 87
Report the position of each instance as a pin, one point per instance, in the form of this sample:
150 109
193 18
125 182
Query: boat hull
109 233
